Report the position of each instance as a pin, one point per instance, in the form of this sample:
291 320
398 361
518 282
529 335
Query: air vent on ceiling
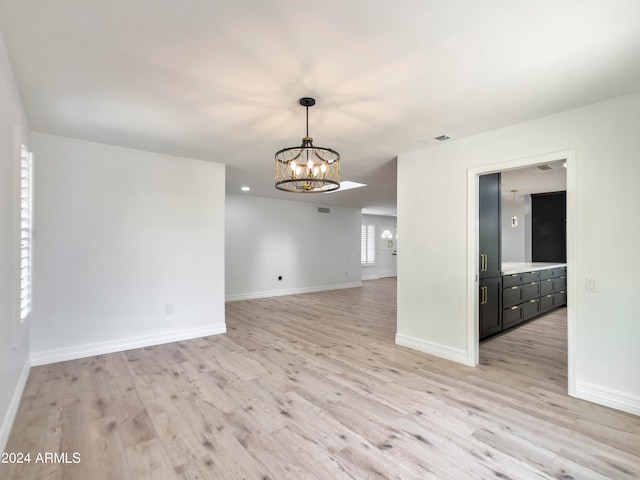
544 167
443 137
324 210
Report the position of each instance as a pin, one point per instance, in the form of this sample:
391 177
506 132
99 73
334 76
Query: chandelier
307 169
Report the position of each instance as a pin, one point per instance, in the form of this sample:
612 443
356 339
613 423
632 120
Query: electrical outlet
170 309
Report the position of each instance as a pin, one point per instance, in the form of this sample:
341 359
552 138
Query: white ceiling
548 177
220 80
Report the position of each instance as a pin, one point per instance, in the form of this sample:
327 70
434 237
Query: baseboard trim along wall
292 291
89 350
376 276
443 351
9 418
608 397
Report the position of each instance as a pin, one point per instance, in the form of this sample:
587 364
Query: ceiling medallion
307 169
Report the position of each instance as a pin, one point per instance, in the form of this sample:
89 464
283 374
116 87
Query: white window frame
368 245
23 240
26 231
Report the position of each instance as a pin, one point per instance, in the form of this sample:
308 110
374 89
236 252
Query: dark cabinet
530 291
531 309
511 296
490 306
512 316
546 286
548 227
527 295
546 303
490 262
490 226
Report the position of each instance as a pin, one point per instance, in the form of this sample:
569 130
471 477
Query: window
26 230
367 246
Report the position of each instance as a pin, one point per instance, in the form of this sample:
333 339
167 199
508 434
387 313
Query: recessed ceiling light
443 137
245 189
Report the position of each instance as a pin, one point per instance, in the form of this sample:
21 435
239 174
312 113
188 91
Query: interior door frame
473 250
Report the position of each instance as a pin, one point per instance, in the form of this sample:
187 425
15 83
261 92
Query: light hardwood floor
313 387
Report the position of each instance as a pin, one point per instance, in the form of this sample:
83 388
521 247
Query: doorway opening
512 167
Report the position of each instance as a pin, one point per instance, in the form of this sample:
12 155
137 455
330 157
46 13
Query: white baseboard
292 291
377 276
373 276
89 350
443 351
608 397
7 423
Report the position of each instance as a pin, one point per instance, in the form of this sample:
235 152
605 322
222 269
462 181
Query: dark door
490 320
490 226
549 227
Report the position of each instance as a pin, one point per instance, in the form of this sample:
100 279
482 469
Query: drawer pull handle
514 308
483 296
532 301
514 288
533 283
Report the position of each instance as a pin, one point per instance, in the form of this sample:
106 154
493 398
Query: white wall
14 364
433 273
514 239
380 221
120 233
267 238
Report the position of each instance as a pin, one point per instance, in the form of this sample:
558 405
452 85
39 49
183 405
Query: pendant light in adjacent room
514 219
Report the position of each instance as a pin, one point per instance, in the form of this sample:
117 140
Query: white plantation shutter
367 245
26 230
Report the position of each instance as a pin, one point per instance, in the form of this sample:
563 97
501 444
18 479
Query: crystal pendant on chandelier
307 169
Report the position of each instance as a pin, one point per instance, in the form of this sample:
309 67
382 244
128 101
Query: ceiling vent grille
324 210
544 167
443 137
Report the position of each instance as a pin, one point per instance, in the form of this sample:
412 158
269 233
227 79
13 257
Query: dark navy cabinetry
526 295
490 262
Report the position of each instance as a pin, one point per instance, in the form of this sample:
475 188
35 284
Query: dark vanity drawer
557 272
511 296
544 274
559 283
546 303
530 291
531 308
529 277
546 286
512 316
560 298
511 280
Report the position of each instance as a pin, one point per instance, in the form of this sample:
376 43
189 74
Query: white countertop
509 268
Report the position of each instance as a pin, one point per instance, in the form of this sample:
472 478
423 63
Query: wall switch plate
170 309
591 284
